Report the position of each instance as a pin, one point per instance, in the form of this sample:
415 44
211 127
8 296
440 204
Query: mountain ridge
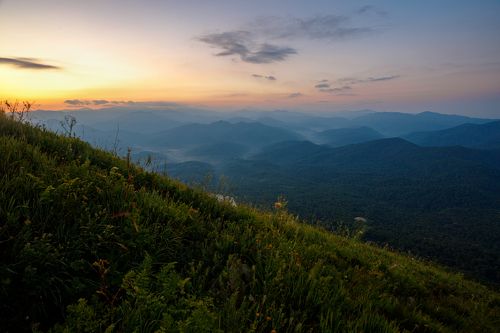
483 136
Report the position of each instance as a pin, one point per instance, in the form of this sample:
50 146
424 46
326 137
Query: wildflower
273 331
268 318
278 205
257 315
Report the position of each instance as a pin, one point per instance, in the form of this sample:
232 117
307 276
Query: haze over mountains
130 121
246 133
427 183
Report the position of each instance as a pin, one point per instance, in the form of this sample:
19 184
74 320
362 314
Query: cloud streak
338 90
342 86
79 103
266 77
383 78
76 102
95 102
331 27
322 85
369 79
28 63
368 9
325 86
243 45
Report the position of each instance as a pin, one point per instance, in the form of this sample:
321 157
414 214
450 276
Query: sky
324 55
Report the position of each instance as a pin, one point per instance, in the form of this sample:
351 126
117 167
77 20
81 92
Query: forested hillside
482 136
440 203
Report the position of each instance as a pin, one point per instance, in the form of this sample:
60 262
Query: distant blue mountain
290 152
388 156
346 136
246 133
139 122
218 152
398 124
388 124
483 136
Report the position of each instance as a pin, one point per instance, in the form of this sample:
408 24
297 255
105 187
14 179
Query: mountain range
91 242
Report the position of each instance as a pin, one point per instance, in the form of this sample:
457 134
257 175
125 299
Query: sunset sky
407 56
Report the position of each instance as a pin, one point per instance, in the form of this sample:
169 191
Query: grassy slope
89 243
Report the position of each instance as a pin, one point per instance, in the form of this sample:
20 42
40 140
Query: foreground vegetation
89 243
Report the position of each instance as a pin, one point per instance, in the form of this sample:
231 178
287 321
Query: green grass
89 243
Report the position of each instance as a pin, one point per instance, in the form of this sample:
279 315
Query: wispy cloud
75 103
326 87
241 44
343 86
322 85
383 78
350 80
236 94
256 42
332 27
100 102
265 77
28 63
339 89
96 102
295 95
370 9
